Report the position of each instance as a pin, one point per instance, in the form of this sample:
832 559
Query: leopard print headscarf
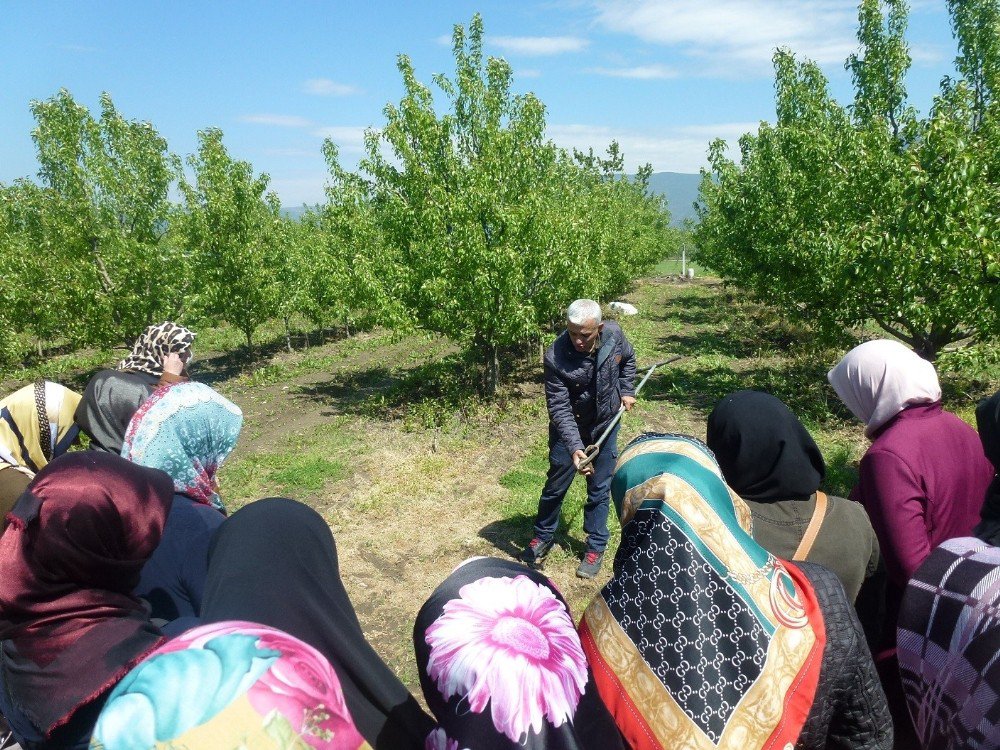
155 343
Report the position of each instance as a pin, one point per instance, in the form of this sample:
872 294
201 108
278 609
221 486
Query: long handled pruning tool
593 450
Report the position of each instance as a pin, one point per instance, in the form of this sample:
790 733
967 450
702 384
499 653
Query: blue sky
663 77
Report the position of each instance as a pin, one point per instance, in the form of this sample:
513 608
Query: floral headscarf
155 343
225 686
501 665
186 430
36 425
878 379
701 639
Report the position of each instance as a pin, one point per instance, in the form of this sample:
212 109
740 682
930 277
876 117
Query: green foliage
477 227
844 215
463 221
234 231
86 245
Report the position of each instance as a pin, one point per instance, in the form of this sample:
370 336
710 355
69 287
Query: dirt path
415 502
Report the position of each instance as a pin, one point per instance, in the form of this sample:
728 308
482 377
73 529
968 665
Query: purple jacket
923 480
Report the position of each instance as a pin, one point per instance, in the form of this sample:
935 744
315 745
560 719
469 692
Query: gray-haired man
589 374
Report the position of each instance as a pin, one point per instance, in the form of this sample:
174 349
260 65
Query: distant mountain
681 191
294 212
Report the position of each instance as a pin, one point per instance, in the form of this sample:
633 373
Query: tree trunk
288 336
248 332
492 369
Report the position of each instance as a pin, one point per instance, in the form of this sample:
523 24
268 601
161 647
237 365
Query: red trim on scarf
629 719
113 680
801 694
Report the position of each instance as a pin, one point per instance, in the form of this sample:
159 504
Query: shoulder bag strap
812 530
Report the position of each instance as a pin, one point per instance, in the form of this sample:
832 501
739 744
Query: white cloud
737 37
927 55
641 72
676 149
282 121
350 138
326 87
527 73
538 45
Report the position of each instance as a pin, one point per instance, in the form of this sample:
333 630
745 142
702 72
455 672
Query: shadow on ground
432 389
511 535
219 367
800 383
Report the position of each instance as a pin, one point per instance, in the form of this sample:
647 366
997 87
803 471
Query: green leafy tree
484 229
844 215
360 278
233 229
101 214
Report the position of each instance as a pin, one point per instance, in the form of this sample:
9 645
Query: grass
673 267
300 466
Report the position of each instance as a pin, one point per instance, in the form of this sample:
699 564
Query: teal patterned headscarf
186 430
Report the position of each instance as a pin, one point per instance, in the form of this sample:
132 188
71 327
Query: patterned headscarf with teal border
186 430
699 624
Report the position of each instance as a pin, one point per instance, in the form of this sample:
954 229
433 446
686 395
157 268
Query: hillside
681 190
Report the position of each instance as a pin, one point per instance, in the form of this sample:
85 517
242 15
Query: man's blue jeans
560 477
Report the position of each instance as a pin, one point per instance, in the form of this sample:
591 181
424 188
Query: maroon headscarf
78 537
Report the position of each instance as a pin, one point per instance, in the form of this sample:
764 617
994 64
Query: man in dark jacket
589 376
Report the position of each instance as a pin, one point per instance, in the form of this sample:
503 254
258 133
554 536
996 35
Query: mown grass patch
300 466
288 474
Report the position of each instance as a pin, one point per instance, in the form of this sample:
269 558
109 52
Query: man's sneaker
536 551
590 566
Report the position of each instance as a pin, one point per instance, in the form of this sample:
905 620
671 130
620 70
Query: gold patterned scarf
701 639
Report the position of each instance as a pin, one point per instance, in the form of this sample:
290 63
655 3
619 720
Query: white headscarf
878 379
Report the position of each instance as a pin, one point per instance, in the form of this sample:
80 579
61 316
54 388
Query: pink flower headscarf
502 667
878 379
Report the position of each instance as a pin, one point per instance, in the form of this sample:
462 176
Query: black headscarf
274 562
502 666
763 450
988 423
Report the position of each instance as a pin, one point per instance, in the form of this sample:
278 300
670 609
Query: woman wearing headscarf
227 686
702 639
947 642
186 430
70 627
36 425
922 479
274 562
501 664
769 458
159 357
988 424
